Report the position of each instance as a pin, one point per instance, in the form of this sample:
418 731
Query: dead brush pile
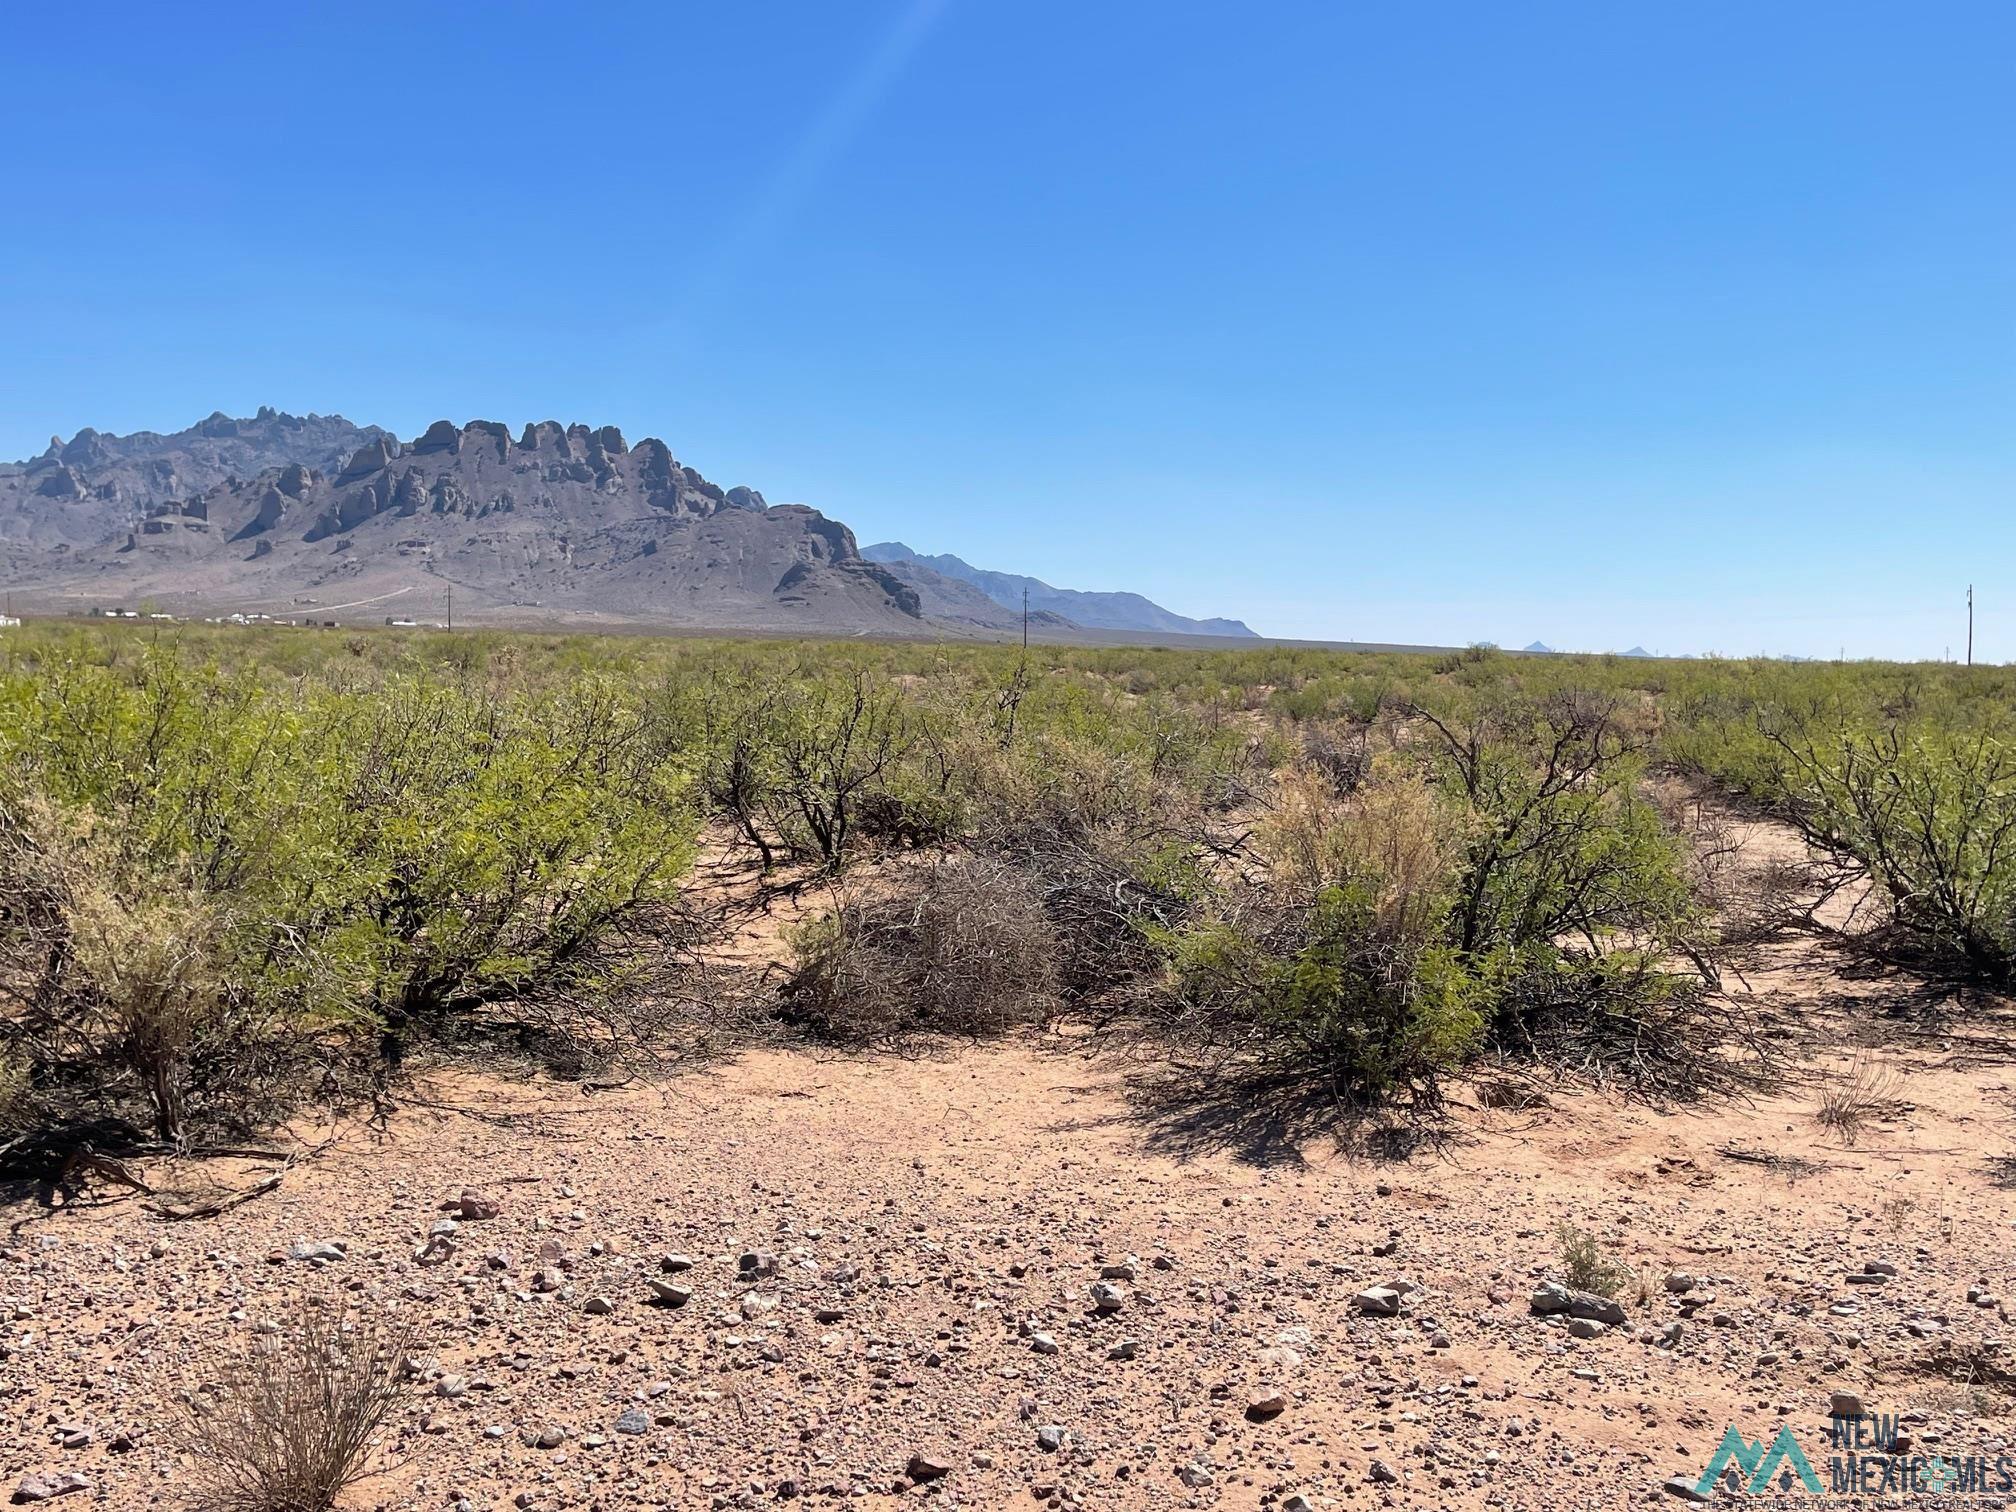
961 947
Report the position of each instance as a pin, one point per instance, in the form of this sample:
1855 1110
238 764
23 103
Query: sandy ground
936 1227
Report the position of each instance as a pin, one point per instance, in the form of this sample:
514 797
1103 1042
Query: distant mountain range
1094 611
1541 648
316 517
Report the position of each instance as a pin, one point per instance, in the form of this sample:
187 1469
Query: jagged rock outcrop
562 520
131 473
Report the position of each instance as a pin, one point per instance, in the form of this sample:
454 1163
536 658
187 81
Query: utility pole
1025 620
451 606
1970 624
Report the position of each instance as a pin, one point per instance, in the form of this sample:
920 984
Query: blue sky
1692 325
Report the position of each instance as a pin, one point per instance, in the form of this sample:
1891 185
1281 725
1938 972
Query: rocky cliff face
295 517
146 467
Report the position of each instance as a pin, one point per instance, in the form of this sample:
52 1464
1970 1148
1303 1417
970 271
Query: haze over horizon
1696 331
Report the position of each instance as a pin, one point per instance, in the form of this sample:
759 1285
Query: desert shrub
497 843
145 990
1571 892
1112 851
131 990
1339 964
961 947
290 1424
792 764
1495 882
1341 753
1928 814
20 1109
204 879
1323 989
1585 1267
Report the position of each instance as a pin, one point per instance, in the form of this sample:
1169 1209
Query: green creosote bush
199 866
403 831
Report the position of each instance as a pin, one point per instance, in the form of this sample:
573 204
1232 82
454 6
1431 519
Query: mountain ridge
310 514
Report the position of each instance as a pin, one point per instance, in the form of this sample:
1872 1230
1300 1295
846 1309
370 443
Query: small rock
927 1467
1552 1297
1107 1297
308 1249
633 1422
598 1307
36 1488
670 1293
1844 1404
1268 1402
1383 1473
1379 1301
1050 1438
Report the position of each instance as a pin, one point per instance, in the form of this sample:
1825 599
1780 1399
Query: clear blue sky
1691 325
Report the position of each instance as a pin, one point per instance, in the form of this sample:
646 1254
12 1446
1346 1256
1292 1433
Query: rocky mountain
314 516
146 467
1098 611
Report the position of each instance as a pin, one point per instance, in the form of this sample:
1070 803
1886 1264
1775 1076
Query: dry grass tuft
1585 1267
1856 1097
290 1425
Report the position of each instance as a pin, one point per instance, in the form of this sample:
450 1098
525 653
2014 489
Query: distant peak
1013 591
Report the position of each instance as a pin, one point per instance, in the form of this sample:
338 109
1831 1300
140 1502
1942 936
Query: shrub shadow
1196 1112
